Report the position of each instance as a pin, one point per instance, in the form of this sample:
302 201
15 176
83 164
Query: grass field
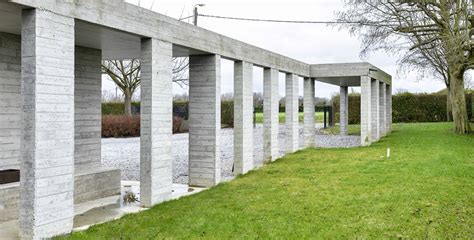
353 129
425 190
319 117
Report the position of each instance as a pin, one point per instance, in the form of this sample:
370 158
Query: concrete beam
309 130
375 108
155 120
243 117
47 148
270 114
344 110
291 108
347 74
365 110
204 120
146 23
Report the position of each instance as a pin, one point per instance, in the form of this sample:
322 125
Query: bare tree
434 36
126 75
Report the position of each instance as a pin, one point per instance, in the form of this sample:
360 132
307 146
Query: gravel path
124 153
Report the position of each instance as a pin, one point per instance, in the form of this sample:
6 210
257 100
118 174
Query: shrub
406 107
409 107
120 126
115 108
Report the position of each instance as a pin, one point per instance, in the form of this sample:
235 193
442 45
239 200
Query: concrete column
291 108
87 105
155 122
270 114
375 110
388 110
382 109
309 130
243 117
365 110
344 110
10 102
204 120
47 146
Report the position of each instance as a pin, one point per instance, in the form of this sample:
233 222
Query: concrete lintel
133 19
347 74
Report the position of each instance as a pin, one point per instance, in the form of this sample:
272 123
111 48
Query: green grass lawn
319 117
353 129
424 190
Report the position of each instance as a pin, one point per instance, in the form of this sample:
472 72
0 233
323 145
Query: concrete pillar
155 122
388 105
270 114
291 108
204 120
365 110
87 105
243 117
375 110
382 109
10 102
47 146
344 110
309 130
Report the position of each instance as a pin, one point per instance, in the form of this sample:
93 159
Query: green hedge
407 107
115 108
227 110
354 109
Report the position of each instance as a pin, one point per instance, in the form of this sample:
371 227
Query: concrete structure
309 118
155 122
50 53
243 114
291 113
204 120
344 110
375 107
270 114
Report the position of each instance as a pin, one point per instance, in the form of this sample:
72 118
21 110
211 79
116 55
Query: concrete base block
89 185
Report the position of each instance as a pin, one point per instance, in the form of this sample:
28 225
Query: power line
278 21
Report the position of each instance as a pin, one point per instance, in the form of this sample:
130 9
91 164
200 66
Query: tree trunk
449 105
128 103
460 118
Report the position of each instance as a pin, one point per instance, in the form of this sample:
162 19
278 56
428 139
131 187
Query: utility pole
196 14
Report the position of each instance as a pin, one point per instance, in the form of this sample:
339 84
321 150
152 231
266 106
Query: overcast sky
311 43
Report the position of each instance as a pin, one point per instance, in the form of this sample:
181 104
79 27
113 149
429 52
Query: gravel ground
124 153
